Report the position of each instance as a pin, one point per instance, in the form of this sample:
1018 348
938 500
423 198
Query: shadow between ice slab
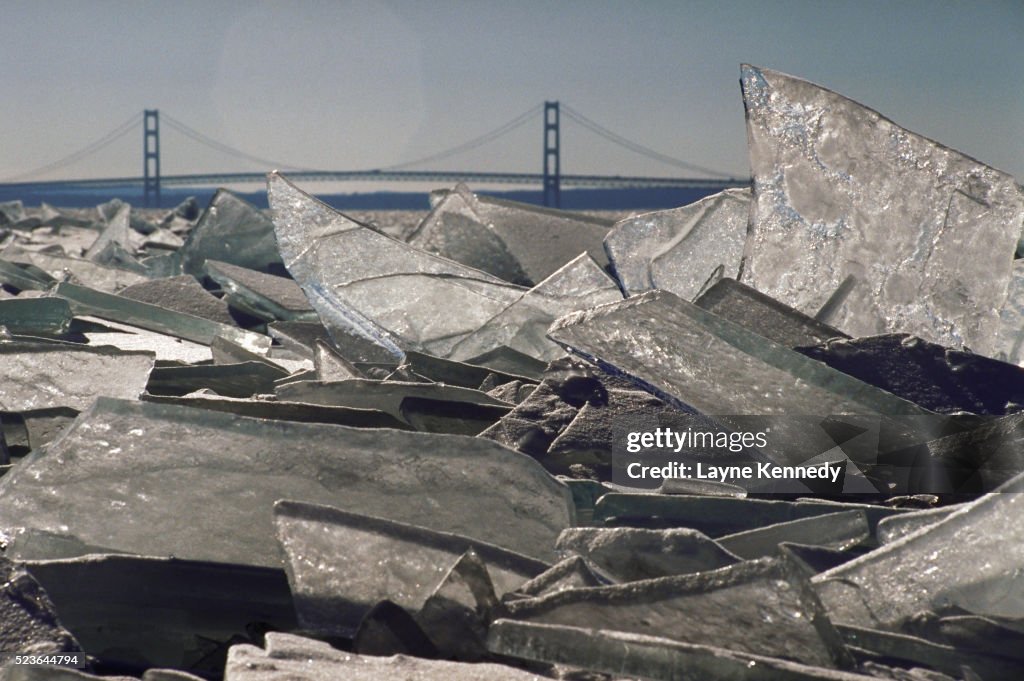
136 612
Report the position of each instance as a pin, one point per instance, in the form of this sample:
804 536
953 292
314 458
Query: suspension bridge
551 178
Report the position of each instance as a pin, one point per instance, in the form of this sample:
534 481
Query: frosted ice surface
85 272
677 250
162 480
37 376
522 326
973 559
292 657
372 559
630 554
359 280
1011 319
927 233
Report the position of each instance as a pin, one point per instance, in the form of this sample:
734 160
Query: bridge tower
151 158
552 156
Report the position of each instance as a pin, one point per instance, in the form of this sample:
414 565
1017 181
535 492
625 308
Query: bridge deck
440 176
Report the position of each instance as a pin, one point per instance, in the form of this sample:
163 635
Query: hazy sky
374 83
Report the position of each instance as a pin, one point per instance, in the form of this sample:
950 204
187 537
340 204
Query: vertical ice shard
973 559
361 281
927 233
455 230
515 241
1011 319
579 285
677 250
117 232
233 231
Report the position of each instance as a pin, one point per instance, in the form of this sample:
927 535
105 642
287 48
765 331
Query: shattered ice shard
927 234
363 282
1011 319
695 360
763 315
652 658
677 250
970 560
373 559
85 272
234 231
169 478
38 375
387 396
580 284
85 301
631 554
763 607
181 294
262 295
517 242
117 232
292 657
35 316
840 531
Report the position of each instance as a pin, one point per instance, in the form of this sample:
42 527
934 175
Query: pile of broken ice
302 448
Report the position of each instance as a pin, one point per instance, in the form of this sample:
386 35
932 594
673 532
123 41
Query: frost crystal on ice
927 233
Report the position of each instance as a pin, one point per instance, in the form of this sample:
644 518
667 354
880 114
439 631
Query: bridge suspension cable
108 139
483 139
199 137
635 146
